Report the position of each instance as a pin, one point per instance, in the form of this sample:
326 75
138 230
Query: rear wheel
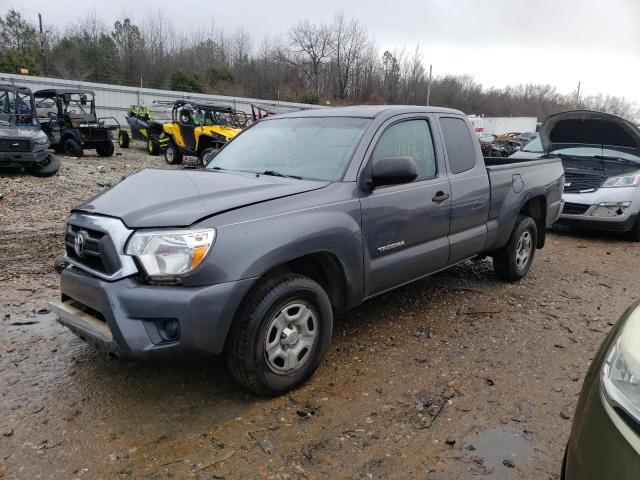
123 139
105 149
47 168
173 155
280 338
512 262
153 147
204 155
72 148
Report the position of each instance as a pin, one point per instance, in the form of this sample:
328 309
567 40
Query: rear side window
461 149
411 138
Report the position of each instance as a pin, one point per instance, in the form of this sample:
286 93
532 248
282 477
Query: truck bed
513 183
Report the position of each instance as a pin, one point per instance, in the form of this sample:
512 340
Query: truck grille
575 208
581 182
8 145
92 249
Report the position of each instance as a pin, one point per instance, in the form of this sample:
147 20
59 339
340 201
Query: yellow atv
198 129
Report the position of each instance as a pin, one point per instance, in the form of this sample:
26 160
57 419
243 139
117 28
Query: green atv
146 127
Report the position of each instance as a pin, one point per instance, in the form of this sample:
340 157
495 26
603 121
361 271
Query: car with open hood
600 154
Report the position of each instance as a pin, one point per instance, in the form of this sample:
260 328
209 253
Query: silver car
601 158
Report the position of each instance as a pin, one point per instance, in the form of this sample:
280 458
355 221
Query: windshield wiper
274 173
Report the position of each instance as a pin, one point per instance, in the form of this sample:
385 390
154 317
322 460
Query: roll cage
17 106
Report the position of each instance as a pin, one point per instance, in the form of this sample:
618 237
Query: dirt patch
412 380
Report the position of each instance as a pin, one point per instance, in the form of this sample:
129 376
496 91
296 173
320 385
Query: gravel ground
457 376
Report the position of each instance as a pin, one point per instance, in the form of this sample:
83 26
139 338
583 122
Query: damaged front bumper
132 320
22 159
612 209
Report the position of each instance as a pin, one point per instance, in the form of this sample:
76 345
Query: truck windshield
309 148
16 108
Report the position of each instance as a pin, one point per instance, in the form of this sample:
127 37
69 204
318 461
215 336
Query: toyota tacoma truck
302 216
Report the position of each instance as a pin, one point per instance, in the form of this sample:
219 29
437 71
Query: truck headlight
41 141
621 370
169 253
623 181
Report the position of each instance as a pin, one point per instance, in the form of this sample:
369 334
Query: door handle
440 197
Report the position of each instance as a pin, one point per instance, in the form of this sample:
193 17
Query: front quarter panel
253 240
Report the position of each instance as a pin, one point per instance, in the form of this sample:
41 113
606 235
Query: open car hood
585 127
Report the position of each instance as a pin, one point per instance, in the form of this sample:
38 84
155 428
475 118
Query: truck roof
14 88
52 92
368 111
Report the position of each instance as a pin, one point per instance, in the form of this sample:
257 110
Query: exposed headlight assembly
623 181
621 370
166 254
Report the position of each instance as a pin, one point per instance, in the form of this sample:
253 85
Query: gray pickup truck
303 215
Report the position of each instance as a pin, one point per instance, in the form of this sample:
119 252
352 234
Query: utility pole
429 83
42 50
578 94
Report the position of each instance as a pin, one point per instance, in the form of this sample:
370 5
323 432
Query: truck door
470 189
406 226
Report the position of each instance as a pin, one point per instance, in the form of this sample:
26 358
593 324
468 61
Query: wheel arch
536 208
323 267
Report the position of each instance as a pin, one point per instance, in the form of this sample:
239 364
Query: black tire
204 155
105 149
72 148
173 155
47 169
123 139
246 345
634 233
153 147
509 263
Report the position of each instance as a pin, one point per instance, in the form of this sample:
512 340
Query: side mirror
393 171
518 148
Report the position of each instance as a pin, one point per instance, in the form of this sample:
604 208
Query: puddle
45 368
495 445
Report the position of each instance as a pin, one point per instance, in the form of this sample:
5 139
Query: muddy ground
449 378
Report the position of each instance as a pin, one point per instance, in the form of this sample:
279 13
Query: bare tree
348 42
310 47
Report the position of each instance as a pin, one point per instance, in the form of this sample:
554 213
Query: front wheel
634 233
172 155
280 338
105 149
48 168
512 262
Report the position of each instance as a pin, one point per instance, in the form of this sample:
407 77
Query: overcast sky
499 42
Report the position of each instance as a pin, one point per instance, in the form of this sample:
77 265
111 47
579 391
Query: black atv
68 117
146 126
22 143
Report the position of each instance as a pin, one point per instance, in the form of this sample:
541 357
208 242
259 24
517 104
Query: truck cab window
461 147
411 138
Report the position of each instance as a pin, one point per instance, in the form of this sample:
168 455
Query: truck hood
180 198
19 131
585 127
